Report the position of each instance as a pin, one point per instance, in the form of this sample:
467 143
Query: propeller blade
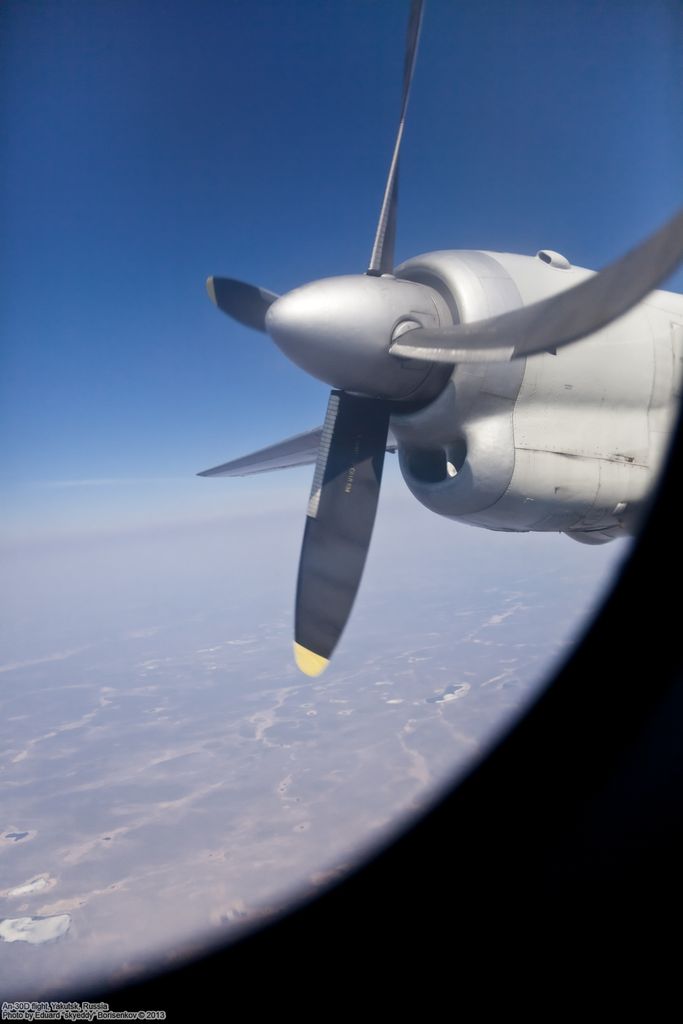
382 258
246 303
341 514
546 326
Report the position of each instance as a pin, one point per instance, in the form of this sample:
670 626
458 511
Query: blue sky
147 144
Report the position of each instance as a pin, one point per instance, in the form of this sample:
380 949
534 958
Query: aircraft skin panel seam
621 460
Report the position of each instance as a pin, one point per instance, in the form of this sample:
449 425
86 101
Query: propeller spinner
377 341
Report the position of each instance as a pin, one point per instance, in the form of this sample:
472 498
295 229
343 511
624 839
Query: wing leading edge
300 450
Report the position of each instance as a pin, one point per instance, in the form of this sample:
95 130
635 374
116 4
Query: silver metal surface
339 330
552 323
578 447
470 424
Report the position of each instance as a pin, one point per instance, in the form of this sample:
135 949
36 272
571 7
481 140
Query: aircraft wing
301 450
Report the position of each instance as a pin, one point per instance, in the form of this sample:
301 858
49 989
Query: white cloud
35 885
34 929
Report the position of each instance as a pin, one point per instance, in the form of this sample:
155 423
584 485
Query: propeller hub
339 330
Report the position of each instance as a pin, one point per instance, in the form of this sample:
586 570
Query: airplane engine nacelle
567 442
456 464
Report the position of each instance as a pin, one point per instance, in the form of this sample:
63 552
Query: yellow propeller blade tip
311 664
